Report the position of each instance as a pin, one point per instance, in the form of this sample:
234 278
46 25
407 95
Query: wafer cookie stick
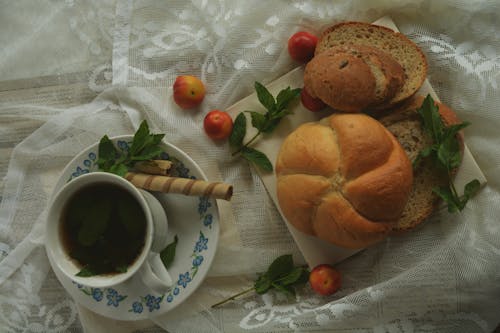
186 186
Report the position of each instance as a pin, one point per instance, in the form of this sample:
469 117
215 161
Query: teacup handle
154 274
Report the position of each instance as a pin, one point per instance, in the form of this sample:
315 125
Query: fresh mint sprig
145 146
281 275
276 109
168 253
445 152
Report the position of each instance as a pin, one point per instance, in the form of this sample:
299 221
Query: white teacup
148 264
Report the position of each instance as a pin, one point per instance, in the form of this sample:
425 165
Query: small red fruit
324 279
189 91
311 103
218 125
301 46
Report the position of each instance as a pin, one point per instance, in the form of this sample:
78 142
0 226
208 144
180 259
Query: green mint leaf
167 255
285 96
95 222
431 118
118 169
280 267
156 138
86 272
107 149
257 157
145 146
107 153
239 131
451 200
263 284
427 151
265 97
141 137
271 125
147 153
258 120
292 277
445 153
471 188
287 290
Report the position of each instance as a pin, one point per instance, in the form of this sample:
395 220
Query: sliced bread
404 123
402 49
340 79
389 74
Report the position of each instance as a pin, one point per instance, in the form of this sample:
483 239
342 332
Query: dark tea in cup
103 229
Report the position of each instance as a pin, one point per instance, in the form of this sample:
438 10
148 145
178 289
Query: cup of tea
101 230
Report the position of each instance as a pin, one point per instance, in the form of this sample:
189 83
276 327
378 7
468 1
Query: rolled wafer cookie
177 185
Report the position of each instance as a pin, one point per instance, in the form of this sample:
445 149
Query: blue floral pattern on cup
112 297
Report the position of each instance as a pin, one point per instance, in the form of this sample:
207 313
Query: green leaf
95 223
304 277
427 151
107 149
263 284
285 96
265 97
433 124
239 131
471 188
144 147
107 153
292 277
86 272
287 290
452 201
118 169
147 153
258 120
167 255
140 138
271 125
445 152
280 267
258 158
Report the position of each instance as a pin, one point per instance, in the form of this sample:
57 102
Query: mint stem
232 297
247 144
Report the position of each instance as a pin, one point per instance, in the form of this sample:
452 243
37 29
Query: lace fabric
114 64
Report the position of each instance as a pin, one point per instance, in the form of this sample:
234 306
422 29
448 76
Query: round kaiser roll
344 179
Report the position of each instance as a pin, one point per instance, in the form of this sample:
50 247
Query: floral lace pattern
229 45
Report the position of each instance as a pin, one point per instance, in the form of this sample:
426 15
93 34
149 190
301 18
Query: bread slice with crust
341 80
404 123
402 49
388 72
353 78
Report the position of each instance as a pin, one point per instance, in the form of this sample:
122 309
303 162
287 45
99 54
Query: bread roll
344 179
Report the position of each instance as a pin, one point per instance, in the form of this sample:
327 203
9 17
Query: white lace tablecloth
72 71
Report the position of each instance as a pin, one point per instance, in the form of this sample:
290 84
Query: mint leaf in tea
103 229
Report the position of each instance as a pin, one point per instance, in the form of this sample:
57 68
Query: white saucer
195 221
